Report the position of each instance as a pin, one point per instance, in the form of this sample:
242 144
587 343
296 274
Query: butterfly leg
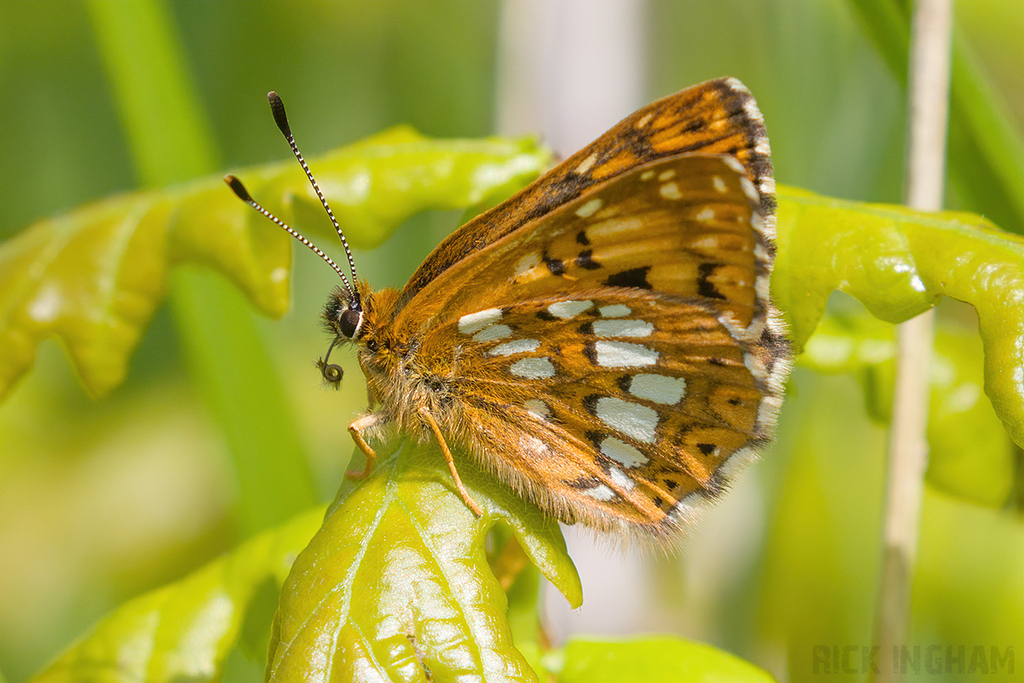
356 430
470 503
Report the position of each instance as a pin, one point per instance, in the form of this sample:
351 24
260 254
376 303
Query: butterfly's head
344 315
357 318
343 318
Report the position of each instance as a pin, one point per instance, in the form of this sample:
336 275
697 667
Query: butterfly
603 342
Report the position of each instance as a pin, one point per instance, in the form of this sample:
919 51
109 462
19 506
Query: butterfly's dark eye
349 321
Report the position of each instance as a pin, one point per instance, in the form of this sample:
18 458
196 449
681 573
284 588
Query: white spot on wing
590 208
658 388
737 85
719 184
623 453
615 311
645 120
624 355
749 189
632 419
537 408
493 332
533 368
586 164
610 229
474 322
734 164
534 446
767 411
646 175
568 309
599 492
517 346
667 175
706 214
750 107
526 264
623 328
621 479
736 463
670 191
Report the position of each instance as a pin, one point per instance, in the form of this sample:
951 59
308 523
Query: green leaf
898 263
655 658
184 630
970 455
396 584
94 277
398 555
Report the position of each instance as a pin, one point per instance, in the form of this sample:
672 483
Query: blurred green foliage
101 501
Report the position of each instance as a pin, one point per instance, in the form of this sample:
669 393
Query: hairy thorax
402 381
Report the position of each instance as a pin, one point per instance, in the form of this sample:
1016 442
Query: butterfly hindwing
602 355
618 406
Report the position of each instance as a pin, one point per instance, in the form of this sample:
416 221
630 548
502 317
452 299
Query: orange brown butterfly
603 342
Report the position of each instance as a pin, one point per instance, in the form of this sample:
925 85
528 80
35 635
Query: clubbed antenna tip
238 188
280 117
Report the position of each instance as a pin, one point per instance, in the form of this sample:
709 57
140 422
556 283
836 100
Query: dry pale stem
908 448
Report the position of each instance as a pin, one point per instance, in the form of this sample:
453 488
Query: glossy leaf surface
397 586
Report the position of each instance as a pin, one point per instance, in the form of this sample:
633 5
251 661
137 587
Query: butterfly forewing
716 117
680 226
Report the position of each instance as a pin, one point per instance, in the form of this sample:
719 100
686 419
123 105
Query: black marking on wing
586 260
556 266
704 286
634 277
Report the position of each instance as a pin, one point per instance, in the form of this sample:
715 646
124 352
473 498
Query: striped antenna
277 107
239 189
